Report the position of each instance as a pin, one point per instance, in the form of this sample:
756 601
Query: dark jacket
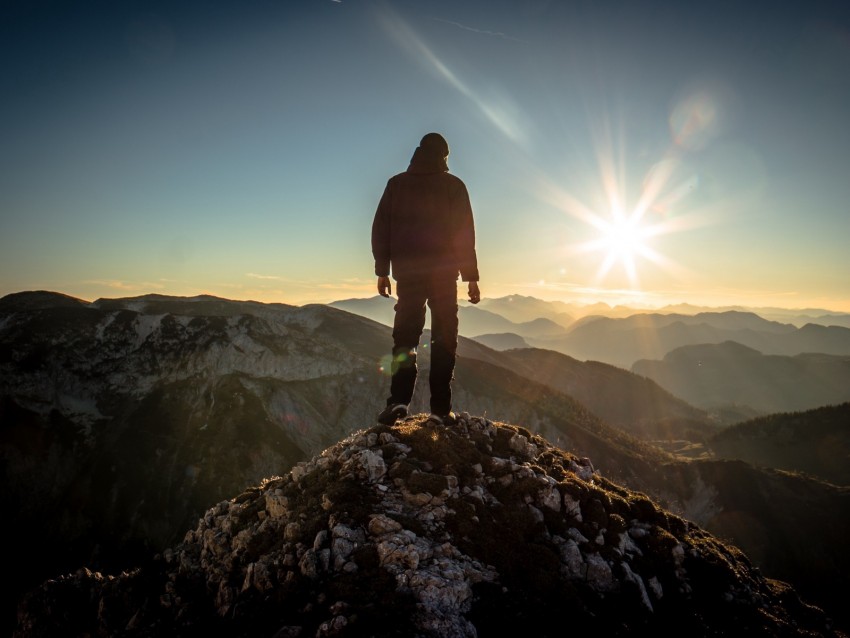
423 225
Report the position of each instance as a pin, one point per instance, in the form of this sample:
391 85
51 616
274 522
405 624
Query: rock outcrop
417 529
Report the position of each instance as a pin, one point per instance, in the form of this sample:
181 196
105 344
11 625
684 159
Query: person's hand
474 293
385 288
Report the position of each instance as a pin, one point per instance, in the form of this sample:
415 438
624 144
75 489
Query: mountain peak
38 300
421 530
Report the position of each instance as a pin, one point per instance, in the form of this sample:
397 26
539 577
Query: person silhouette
424 232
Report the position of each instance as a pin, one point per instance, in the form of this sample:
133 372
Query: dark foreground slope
481 529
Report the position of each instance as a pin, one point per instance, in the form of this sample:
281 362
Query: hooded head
431 155
436 144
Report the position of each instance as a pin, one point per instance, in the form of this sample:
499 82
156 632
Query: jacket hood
427 160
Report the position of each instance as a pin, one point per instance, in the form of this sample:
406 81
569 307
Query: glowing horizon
610 156
579 295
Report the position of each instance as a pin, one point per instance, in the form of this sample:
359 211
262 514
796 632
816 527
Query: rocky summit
418 529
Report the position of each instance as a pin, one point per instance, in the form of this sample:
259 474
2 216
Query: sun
622 239
620 221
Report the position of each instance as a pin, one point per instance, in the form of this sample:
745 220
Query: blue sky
628 152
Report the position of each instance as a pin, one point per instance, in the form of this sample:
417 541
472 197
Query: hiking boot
392 413
443 419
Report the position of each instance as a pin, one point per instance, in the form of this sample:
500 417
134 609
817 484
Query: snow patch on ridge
145 325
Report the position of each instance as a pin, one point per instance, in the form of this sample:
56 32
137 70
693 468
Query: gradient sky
240 148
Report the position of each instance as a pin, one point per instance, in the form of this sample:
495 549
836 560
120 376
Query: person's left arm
464 237
474 292
385 288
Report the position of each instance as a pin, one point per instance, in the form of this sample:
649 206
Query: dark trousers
441 297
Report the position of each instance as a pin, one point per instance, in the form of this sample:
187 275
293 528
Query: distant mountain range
623 339
123 420
520 308
712 376
622 342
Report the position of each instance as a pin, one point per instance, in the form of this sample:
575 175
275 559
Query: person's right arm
381 235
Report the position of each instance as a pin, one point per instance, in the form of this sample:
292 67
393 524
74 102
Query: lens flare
385 365
694 120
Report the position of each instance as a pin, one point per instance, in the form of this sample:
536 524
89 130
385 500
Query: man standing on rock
424 231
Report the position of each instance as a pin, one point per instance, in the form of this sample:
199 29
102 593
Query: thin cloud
253 275
345 282
344 285
497 113
347 285
127 286
495 34
581 289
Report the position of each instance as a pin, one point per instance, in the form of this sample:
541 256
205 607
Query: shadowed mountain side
715 375
622 342
816 442
482 529
628 401
791 526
